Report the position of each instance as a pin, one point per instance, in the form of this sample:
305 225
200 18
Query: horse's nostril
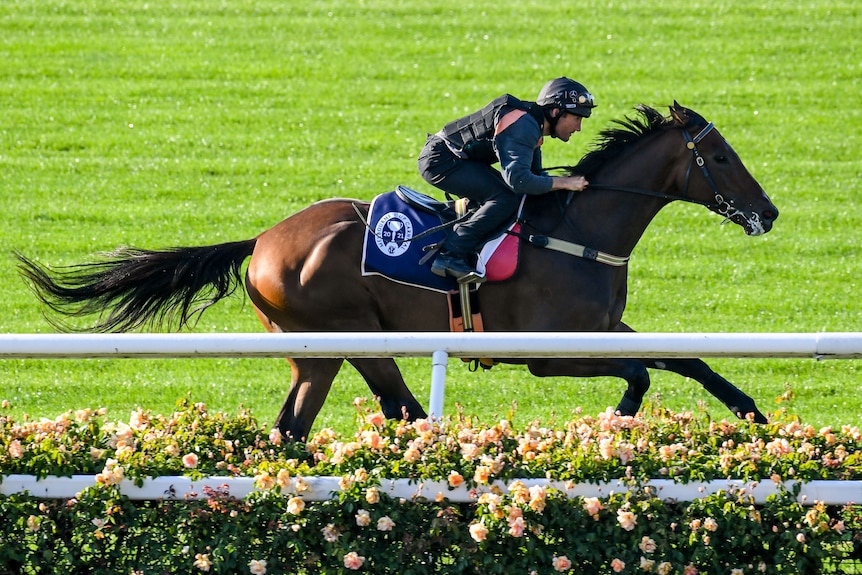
769 215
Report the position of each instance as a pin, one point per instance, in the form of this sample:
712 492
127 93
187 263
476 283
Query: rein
720 206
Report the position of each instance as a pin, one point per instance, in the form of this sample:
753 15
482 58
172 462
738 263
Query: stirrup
472 278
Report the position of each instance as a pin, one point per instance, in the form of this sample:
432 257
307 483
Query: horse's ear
679 113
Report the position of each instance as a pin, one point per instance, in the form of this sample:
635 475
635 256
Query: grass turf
160 124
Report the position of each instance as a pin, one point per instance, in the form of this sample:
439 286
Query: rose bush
362 528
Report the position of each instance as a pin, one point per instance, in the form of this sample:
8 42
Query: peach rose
561 563
295 505
516 527
592 505
354 561
627 519
372 496
363 518
375 419
455 479
647 545
478 532
483 472
203 562
385 523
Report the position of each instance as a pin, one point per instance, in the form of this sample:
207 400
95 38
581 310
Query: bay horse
304 273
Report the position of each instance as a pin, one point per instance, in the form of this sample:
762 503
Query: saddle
445 210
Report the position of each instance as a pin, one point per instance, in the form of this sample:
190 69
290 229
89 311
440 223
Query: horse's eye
720 158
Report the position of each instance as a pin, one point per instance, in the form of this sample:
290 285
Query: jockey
459 160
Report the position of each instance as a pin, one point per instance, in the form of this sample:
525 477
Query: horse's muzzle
755 223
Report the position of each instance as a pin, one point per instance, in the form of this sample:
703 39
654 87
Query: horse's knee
637 377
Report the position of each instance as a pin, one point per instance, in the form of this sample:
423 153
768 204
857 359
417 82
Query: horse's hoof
628 407
751 414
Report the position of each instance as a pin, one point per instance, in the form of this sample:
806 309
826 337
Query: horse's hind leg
386 383
311 382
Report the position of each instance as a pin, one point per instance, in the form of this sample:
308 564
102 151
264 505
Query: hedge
363 529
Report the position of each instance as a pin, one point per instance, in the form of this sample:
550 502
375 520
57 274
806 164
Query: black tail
133 288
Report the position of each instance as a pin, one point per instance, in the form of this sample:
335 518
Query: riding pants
479 182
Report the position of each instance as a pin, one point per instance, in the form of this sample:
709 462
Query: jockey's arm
516 148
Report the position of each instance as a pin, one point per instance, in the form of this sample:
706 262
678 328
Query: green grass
189 123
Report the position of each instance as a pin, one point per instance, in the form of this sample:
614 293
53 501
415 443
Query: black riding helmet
567 95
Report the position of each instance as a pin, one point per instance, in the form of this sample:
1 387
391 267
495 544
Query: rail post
439 361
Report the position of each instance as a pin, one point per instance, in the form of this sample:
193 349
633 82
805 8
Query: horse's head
712 174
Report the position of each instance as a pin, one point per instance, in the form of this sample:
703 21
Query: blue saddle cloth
389 249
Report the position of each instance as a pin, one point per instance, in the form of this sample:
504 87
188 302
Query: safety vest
472 136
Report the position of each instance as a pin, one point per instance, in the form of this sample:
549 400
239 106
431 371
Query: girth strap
577 250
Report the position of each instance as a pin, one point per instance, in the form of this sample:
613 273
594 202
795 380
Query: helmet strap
552 121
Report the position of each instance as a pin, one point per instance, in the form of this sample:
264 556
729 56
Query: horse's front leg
735 399
632 370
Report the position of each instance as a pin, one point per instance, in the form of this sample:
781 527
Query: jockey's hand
572 183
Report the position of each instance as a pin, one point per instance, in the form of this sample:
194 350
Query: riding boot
455 265
467 238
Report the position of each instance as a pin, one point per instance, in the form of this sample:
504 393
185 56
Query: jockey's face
567 125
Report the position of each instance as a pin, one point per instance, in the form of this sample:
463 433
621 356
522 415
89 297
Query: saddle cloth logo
393 233
391 250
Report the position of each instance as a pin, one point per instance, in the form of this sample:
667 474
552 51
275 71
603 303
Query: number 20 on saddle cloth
397 235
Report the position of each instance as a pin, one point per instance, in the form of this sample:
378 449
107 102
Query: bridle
719 206
696 158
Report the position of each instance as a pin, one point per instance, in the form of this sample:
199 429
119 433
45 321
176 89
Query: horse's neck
605 220
613 220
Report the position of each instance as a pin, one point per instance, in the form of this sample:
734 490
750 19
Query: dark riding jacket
509 131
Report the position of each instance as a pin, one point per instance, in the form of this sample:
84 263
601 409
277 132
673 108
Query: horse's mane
612 141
